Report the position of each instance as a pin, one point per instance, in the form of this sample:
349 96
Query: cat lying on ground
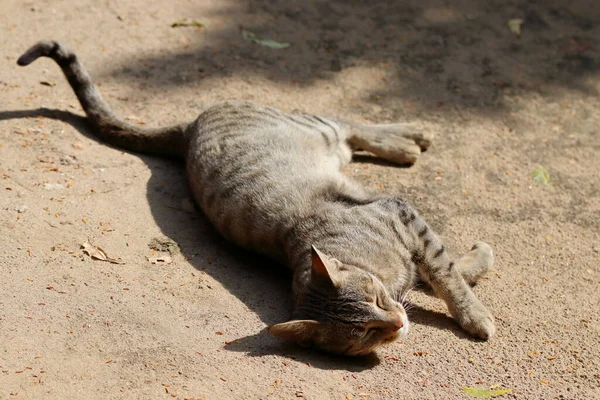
272 183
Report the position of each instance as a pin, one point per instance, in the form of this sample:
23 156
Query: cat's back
253 169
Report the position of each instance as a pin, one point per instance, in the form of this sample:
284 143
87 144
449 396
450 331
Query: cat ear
323 268
299 331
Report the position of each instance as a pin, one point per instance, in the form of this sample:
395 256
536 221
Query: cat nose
397 325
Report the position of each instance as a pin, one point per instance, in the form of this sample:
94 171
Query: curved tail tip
40 49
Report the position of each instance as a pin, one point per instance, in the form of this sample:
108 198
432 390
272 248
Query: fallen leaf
514 25
485 393
160 260
164 244
251 37
541 176
184 22
97 253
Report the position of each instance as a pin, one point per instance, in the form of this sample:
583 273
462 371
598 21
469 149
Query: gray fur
272 183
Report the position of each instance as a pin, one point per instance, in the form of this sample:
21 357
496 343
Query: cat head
344 310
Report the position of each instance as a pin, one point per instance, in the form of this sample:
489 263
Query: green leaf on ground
541 176
485 393
185 22
251 37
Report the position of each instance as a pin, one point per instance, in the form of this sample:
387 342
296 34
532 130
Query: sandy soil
500 105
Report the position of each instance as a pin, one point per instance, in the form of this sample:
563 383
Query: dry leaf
161 260
97 253
184 22
164 244
251 37
514 25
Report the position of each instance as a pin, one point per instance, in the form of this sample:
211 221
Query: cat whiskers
403 300
409 307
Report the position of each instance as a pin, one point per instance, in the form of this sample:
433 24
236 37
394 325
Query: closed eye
380 305
376 302
367 331
373 331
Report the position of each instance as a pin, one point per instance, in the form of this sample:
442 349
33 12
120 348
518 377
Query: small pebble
67 160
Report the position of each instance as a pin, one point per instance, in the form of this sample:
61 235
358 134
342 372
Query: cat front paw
478 321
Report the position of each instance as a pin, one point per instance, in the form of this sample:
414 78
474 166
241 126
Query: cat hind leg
400 143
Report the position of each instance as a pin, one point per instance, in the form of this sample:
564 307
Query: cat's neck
337 231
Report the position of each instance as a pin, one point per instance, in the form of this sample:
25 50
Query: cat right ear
323 269
299 331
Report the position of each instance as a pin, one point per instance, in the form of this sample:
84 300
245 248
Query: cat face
345 310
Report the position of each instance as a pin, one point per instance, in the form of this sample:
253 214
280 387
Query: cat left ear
322 267
299 331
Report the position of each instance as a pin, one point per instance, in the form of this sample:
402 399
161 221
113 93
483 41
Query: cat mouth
403 331
391 338
405 326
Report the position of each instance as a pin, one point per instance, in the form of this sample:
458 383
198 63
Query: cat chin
405 326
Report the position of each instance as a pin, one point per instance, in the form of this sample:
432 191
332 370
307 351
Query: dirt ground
500 105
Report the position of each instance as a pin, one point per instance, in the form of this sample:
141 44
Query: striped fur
272 183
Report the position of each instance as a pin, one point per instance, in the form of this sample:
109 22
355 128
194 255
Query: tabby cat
272 183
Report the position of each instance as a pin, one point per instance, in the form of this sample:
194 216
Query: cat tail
169 141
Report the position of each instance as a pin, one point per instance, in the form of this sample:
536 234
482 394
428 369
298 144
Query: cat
272 182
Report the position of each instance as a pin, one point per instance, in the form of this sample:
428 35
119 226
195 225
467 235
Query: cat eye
379 304
372 331
376 302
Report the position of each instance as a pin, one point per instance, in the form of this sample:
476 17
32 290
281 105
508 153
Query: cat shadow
363 157
422 316
262 344
257 281
76 121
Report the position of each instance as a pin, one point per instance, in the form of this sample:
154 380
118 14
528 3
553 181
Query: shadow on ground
436 54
